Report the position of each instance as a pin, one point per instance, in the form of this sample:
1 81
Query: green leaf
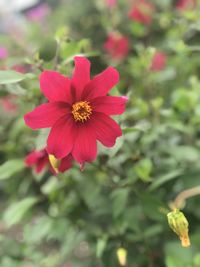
131 129
7 261
15 89
185 153
10 167
72 241
119 198
165 178
10 76
62 34
86 54
41 139
17 211
101 245
137 29
177 256
143 169
153 230
34 234
142 127
50 186
166 75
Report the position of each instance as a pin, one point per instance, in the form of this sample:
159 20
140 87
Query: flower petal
107 130
101 84
45 115
55 86
110 105
61 137
85 147
37 158
66 163
81 75
41 164
32 158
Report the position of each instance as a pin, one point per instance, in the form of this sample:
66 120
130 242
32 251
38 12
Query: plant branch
56 55
184 195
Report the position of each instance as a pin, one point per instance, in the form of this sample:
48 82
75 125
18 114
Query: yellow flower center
81 111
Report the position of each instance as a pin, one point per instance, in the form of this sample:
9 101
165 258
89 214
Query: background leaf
11 167
17 211
10 76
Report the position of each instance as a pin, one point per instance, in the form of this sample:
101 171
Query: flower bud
55 163
179 224
122 256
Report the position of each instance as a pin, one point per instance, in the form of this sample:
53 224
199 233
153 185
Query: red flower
117 46
8 104
39 12
19 68
158 61
142 11
3 52
40 159
185 4
110 3
78 111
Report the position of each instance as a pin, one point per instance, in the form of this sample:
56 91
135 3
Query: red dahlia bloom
185 4
158 61
142 11
38 13
40 159
110 3
8 104
19 68
3 52
117 46
78 111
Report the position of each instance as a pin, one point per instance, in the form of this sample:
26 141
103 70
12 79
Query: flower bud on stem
122 256
176 219
179 224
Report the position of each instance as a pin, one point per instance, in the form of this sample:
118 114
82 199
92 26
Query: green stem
56 55
184 195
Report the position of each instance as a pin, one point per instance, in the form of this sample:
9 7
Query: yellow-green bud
55 163
179 224
122 256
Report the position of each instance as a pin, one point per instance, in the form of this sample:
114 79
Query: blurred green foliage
80 219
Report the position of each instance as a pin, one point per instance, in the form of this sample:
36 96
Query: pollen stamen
81 111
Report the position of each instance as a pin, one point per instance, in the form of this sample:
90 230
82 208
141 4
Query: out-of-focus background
82 219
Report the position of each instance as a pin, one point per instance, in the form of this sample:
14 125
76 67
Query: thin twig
56 55
181 198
